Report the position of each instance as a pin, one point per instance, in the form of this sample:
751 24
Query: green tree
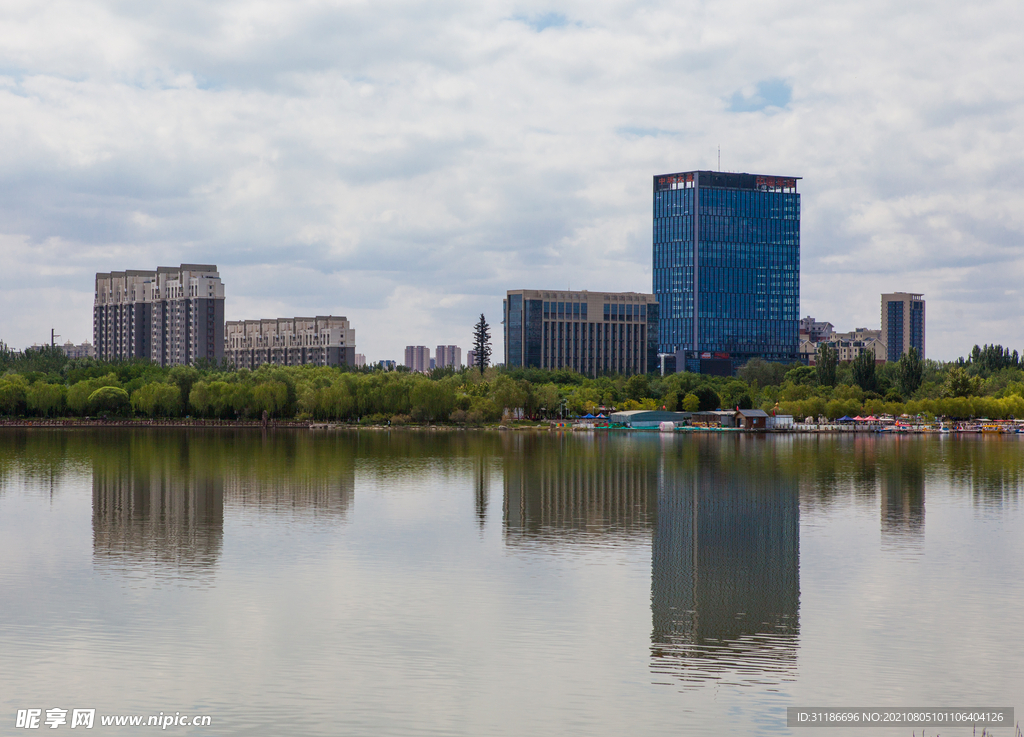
959 383
708 398
827 361
78 395
909 371
185 377
157 399
508 393
762 373
801 376
432 400
864 370
638 387
547 399
46 399
13 394
691 403
109 400
482 343
270 397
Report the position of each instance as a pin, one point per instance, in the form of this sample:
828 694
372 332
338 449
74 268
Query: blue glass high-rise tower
727 267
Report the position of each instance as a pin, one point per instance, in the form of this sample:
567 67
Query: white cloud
405 163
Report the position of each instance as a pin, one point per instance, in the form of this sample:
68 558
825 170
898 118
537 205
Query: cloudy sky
404 163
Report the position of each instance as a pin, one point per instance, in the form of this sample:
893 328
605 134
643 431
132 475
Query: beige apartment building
171 316
290 341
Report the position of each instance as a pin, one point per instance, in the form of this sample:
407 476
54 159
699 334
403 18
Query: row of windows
729 202
744 230
721 228
577 309
749 281
728 254
731 334
745 204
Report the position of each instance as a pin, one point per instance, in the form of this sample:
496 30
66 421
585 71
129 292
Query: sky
406 163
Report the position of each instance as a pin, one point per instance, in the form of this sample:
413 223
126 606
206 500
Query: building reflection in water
724 527
725 583
159 498
157 511
902 494
568 489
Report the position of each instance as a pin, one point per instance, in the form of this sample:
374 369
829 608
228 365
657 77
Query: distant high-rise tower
727 267
903 323
417 358
449 355
171 316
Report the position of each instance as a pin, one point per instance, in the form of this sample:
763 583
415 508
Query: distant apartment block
417 358
172 316
82 350
847 345
360 360
471 358
859 334
290 341
589 332
448 355
903 323
815 331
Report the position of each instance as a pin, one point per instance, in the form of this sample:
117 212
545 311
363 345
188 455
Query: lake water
485 583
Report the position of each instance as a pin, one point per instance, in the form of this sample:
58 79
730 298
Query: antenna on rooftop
719 158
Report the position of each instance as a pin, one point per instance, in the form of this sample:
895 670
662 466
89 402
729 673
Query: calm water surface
482 583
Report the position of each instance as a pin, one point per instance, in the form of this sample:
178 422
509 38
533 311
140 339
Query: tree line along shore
44 383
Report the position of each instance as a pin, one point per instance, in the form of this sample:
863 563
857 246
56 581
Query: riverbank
199 423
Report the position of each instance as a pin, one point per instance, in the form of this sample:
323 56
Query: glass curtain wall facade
589 332
727 266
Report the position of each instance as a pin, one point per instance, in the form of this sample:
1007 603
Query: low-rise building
751 419
859 334
814 330
290 341
589 332
649 419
